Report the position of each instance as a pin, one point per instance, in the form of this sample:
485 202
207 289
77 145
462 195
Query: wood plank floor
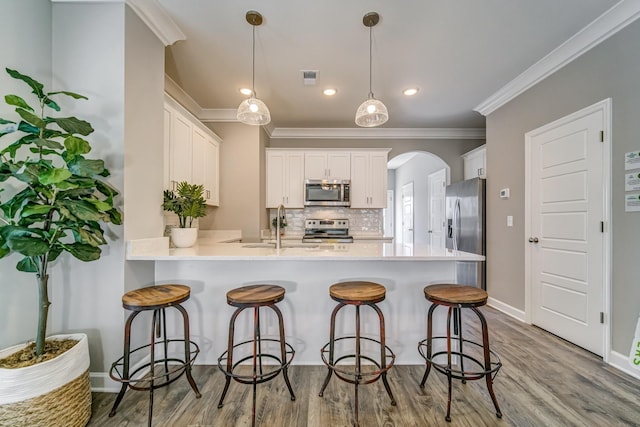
544 381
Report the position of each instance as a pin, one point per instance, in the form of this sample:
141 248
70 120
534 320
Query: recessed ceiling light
411 91
329 92
246 91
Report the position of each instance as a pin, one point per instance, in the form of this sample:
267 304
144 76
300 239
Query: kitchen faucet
281 213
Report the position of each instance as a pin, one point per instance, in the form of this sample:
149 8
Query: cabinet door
368 180
295 180
275 171
198 162
339 165
475 164
315 165
180 150
378 180
359 180
212 173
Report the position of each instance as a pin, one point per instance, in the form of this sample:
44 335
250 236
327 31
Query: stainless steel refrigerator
465 210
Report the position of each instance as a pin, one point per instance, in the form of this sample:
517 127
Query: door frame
605 107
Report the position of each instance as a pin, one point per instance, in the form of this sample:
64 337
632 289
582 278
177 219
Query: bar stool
357 294
156 299
457 297
256 296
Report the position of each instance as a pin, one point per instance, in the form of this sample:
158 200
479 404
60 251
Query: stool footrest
467 374
352 375
262 376
175 368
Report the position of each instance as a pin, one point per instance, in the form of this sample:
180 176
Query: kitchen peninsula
306 271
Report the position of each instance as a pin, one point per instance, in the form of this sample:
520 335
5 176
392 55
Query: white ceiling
458 52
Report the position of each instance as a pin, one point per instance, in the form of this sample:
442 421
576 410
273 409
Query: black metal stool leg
448 416
487 360
458 319
283 351
429 344
232 324
358 376
163 320
152 362
125 367
332 335
383 348
187 349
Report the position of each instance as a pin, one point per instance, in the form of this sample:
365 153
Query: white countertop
158 249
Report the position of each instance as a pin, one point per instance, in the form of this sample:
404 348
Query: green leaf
82 210
75 145
17 101
28 246
83 251
86 167
44 151
35 85
100 205
6 122
88 237
54 176
4 249
51 103
55 252
48 143
67 185
35 210
115 216
31 118
106 189
11 207
71 94
73 125
27 265
28 128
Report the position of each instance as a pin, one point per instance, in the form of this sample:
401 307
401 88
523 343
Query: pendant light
371 112
253 111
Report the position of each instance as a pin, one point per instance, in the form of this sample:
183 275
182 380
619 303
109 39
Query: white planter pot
56 392
184 237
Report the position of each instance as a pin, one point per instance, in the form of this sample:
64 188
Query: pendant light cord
370 62
253 64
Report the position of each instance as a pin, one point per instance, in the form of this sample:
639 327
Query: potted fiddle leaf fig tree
188 203
55 200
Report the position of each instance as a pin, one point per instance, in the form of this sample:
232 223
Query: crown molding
182 97
158 20
378 133
151 13
603 27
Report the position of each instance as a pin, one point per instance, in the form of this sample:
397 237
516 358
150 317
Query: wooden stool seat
451 294
253 295
154 297
357 292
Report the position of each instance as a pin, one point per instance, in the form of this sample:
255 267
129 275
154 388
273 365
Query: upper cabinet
193 151
285 178
369 178
333 165
475 163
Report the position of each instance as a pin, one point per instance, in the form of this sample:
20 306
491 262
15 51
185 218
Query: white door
566 216
407 214
437 183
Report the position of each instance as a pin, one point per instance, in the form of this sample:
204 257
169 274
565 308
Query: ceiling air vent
309 77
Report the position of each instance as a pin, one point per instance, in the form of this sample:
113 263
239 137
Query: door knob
533 240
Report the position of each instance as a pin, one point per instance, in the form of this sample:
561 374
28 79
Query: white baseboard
506 309
621 361
102 382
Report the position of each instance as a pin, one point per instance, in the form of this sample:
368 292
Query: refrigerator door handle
456 226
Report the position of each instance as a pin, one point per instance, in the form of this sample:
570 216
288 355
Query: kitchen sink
282 246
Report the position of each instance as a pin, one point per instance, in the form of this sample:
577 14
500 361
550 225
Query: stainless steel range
327 230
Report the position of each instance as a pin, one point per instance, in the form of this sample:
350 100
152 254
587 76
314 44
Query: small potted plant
188 203
283 224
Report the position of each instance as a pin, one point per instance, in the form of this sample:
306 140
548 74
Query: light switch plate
504 193
509 220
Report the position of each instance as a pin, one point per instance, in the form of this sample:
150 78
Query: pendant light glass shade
253 111
372 112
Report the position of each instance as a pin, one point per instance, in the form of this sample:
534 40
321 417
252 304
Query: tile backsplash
361 221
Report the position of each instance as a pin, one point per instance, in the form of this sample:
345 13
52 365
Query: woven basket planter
52 393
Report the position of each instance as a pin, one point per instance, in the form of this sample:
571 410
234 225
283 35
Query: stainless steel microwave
319 192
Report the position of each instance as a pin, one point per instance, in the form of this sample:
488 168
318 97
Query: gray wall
612 69
29 53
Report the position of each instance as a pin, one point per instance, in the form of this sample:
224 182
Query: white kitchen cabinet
327 165
193 151
206 165
475 163
285 178
369 179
